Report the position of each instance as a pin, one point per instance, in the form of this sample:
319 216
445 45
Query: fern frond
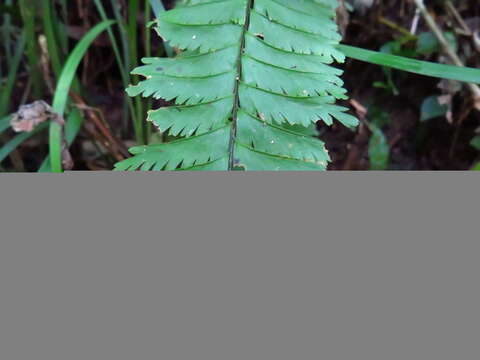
250 75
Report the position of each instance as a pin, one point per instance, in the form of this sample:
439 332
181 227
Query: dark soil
432 145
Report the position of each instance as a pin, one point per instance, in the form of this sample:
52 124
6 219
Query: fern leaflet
251 74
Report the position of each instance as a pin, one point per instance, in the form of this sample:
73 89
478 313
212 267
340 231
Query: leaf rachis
238 79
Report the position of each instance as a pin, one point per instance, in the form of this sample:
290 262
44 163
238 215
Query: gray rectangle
239 266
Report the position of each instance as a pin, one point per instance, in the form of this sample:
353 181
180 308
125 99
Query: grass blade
426 68
6 34
116 49
157 7
18 140
132 28
124 35
72 128
50 33
6 92
133 8
63 87
5 123
123 69
27 10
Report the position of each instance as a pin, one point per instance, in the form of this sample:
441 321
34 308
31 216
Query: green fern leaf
252 79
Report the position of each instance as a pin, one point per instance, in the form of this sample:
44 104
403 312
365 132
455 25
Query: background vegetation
75 56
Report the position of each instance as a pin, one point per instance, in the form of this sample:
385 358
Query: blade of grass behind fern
147 125
132 28
121 63
126 47
158 8
426 68
116 49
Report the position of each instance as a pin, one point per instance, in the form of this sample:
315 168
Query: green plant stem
49 28
7 36
133 9
148 53
158 8
409 36
27 10
5 94
6 91
64 25
122 66
127 51
115 47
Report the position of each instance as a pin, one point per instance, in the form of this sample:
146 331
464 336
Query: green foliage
251 73
431 108
378 149
427 43
61 98
475 142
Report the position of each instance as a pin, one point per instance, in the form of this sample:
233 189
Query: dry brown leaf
28 117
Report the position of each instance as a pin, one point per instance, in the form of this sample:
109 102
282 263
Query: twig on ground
458 17
114 146
448 50
416 19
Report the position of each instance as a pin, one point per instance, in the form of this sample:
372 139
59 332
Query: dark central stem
236 102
